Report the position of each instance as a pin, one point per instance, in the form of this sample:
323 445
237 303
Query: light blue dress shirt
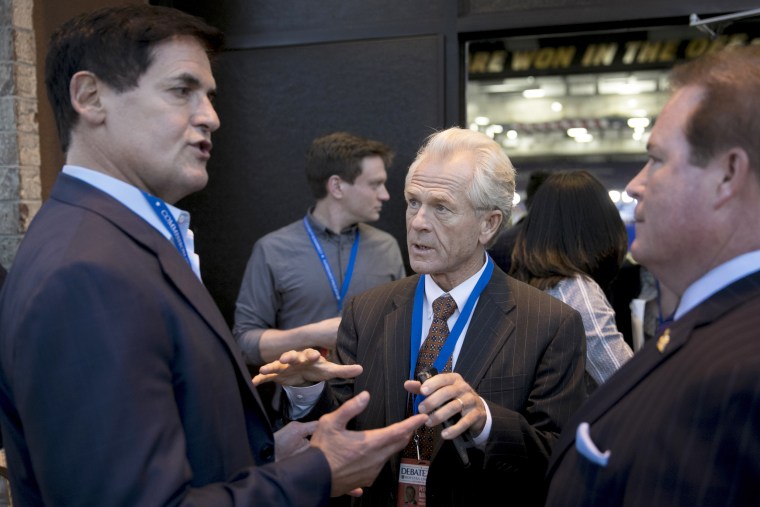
717 279
132 198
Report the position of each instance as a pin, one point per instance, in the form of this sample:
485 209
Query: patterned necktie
443 308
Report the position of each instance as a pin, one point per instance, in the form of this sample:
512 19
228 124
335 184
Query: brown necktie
443 308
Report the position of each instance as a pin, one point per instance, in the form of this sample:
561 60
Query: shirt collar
129 195
319 227
716 279
460 293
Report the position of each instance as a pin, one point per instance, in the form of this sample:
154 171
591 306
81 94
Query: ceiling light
638 122
577 131
534 93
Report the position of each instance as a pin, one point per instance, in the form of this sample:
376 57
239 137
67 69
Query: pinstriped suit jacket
682 425
523 353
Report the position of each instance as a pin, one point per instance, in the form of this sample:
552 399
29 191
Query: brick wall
20 196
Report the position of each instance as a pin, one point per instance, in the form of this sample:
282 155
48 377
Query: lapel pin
662 341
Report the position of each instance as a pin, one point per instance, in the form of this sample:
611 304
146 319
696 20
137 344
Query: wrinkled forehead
443 177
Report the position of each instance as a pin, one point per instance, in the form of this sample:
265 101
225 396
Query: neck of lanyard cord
339 296
451 340
166 218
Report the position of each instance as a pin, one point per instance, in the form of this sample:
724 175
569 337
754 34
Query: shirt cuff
480 440
303 399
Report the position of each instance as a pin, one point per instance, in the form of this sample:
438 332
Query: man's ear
84 92
489 225
335 186
734 174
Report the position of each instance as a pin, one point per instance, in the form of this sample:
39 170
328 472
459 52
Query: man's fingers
356 492
349 409
397 435
306 428
300 356
409 424
347 371
412 386
263 379
273 367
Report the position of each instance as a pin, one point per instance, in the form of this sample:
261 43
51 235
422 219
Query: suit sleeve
96 384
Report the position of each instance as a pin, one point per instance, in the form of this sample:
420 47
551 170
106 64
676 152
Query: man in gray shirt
298 277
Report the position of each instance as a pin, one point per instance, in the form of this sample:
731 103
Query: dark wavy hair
573 227
116 44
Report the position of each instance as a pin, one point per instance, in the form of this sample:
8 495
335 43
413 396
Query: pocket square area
587 448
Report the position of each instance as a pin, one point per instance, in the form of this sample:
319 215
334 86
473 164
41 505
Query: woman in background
572 245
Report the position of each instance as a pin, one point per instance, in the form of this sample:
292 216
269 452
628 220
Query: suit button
267 453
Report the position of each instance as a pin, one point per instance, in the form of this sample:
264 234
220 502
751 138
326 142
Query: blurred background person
572 245
298 276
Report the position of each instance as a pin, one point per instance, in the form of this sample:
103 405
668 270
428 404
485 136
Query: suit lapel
488 331
78 193
397 355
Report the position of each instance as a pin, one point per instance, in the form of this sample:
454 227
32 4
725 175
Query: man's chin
191 184
421 267
640 254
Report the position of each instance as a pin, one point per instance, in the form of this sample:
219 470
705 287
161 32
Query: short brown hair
341 154
729 112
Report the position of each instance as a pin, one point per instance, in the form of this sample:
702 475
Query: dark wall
386 69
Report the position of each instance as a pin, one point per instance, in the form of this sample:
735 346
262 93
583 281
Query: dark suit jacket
120 383
682 425
524 353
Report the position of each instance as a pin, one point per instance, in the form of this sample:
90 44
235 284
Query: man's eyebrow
188 79
192 81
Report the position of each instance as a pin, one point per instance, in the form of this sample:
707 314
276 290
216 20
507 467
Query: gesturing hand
292 438
356 457
303 367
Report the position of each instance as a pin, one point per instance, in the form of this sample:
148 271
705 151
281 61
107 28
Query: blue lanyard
166 218
326 265
451 340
